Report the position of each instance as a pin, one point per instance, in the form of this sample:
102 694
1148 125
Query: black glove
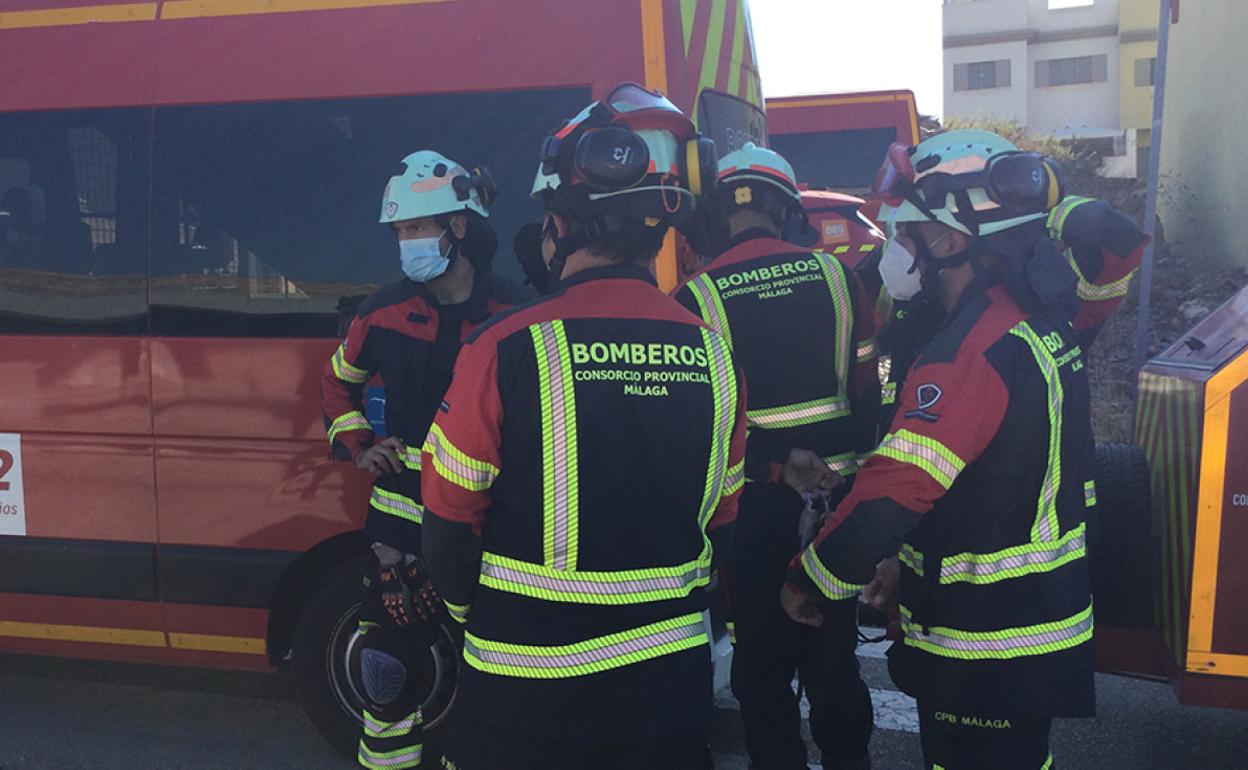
408 594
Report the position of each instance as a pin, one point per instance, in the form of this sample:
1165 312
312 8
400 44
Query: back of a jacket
802 330
593 439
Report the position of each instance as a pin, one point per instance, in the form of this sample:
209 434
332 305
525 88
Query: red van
188 196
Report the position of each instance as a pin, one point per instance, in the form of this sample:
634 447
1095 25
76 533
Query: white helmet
759 165
427 184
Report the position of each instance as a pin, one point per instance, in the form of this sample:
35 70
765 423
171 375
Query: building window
1145 72
977 76
1072 71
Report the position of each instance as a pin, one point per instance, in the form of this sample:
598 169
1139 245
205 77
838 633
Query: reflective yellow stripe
455 465
828 584
1098 293
735 479
344 369
411 458
938 460
724 396
346 423
1089 493
458 612
842 302
601 653
638 586
888 393
1058 216
1030 559
795 415
711 305
560 472
1047 526
375 727
1005 644
866 351
397 505
845 464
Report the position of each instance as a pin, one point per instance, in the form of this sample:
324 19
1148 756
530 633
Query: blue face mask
422 258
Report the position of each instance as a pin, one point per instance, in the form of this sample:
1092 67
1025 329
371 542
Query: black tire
1124 545
324 634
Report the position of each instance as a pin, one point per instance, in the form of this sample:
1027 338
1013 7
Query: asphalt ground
57 713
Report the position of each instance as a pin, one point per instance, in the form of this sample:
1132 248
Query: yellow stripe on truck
244 645
90 14
198 9
94 634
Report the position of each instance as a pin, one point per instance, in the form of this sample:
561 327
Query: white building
1049 65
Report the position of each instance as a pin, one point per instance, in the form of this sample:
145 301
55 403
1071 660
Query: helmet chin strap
934 265
567 245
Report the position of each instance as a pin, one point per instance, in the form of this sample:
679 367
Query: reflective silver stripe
844 464
345 370
938 460
397 505
911 558
794 415
608 588
1089 493
560 469
375 728
348 422
456 466
830 585
866 350
712 306
724 395
1006 644
591 656
403 759
1030 559
888 393
411 458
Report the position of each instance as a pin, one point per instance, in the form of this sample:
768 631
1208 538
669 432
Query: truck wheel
323 643
1124 546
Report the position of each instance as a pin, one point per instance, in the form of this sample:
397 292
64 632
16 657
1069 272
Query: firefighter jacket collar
752 234
475 309
623 270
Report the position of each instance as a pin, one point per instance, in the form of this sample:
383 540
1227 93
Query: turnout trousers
961 739
770 648
476 745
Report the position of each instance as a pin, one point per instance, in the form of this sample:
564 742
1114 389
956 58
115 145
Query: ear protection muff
1027 182
478 179
700 165
611 158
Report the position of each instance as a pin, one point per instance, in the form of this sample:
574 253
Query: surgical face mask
422 258
900 271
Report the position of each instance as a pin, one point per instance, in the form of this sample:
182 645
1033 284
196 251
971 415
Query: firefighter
409 333
984 481
801 328
583 471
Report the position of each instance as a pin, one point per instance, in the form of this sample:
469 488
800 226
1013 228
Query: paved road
63 713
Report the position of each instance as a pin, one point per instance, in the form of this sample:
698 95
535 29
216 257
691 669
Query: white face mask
900 271
422 258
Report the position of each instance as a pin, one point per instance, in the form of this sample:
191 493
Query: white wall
1102 13
1008 103
1090 105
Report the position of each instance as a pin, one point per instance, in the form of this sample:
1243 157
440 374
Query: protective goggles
1022 182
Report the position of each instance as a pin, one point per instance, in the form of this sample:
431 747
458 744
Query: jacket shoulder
396 293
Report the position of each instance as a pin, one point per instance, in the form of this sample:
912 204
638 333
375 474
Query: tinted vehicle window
730 121
838 160
265 215
73 222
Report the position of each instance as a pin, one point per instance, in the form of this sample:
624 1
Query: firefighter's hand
806 471
383 458
881 592
800 606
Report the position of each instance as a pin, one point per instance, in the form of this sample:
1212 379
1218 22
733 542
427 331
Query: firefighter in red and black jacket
802 330
408 333
1102 245
581 475
983 484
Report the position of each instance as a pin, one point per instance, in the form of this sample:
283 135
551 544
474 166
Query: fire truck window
73 222
264 216
836 160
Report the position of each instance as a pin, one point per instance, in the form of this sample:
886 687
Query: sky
824 46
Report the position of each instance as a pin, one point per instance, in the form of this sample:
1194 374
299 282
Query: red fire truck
188 190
